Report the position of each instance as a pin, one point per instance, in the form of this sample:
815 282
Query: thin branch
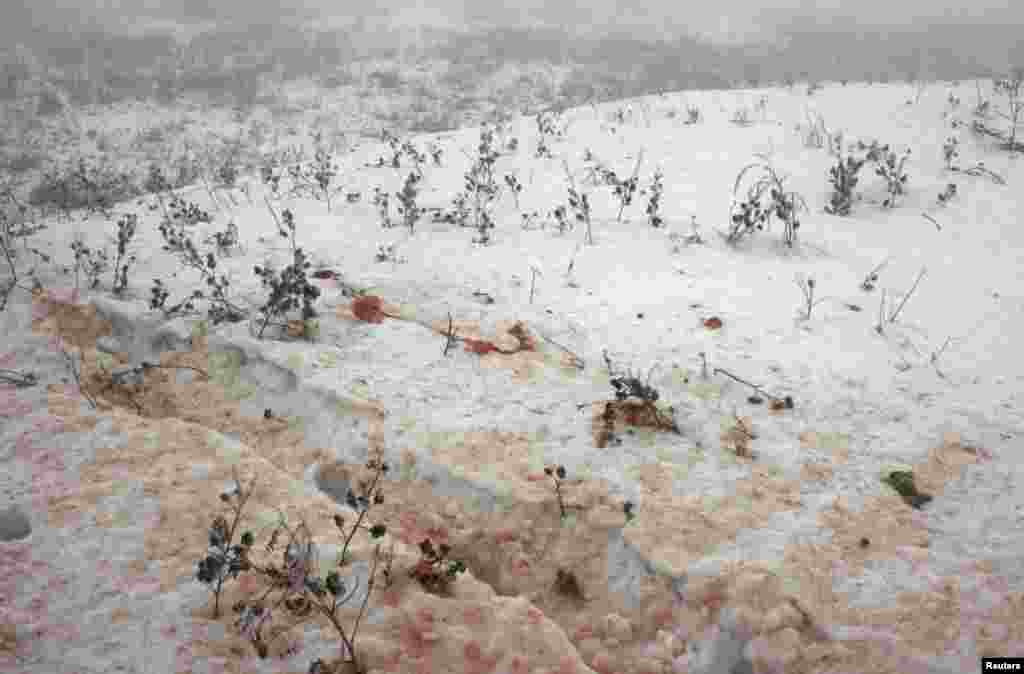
344 600
932 220
892 317
272 212
881 314
934 359
756 388
369 590
450 335
213 197
75 373
980 170
148 365
363 511
580 364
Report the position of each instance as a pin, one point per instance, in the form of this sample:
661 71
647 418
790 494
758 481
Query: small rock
14 524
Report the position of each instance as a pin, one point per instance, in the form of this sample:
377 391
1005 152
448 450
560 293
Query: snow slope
473 432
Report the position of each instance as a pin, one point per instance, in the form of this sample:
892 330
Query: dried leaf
713 323
368 308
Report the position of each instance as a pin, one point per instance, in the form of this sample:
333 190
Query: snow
881 397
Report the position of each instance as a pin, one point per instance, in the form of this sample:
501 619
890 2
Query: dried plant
807 287
766 197
656 190
579 202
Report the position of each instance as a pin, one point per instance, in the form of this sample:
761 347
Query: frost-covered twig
894 314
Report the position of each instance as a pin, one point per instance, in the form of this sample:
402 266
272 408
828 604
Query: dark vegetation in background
231 62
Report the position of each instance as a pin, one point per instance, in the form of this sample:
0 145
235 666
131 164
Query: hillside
739 506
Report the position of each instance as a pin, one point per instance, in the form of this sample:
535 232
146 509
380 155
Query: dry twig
894 314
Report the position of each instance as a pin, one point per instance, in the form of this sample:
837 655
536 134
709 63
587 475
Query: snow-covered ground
938 390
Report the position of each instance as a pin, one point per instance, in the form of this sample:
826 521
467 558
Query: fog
724 20
682 17
109 49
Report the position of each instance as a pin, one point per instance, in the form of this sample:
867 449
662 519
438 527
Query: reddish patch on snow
368 308
479 346
471 651
408 531
248 583
713 323
437 534
566 666
664 616
601 663
520 567
426 616
519 665
484 665
390 598
582 632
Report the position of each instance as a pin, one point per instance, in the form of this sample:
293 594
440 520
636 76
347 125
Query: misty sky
722 19
717 18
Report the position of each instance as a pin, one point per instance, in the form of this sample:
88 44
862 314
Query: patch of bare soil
535 595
